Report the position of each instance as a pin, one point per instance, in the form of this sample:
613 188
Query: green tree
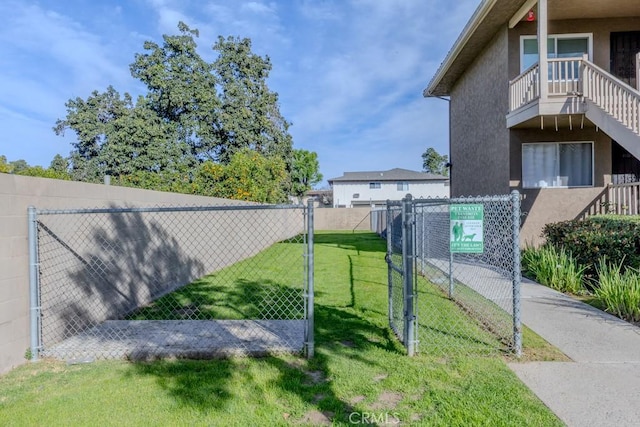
4 165
182 90
18 166
59 164
433 162
248 176
116 137
305 172
193 112
41 172
250 116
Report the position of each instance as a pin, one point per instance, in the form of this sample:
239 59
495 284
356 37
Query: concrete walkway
601 385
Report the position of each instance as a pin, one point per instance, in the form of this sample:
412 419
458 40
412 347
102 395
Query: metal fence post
310 286
517 274
389 233
407 267
34 296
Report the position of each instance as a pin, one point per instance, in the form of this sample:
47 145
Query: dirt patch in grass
387 400
317 418
357 399
315 377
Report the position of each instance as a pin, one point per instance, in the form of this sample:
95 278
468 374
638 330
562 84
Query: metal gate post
34 291
310 338
408 260
388 258
517 274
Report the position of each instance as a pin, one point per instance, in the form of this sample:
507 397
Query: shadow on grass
343 333
220 384
217 297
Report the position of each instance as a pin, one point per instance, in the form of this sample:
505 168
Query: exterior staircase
581 87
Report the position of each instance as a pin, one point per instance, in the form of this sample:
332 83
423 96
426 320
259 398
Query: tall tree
183 90
305 172
250 115
193 112
433 162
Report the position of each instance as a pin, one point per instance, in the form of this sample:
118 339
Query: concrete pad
586 394
157 339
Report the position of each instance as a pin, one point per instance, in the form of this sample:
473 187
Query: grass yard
360 372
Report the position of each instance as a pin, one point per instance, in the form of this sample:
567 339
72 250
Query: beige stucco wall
479 138
18 192
356 218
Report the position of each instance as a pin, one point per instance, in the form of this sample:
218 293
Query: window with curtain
567 164
403 186
558 46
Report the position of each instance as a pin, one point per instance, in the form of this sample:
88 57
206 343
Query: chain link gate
145 283
452 291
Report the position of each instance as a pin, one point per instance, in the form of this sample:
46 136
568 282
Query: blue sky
349 73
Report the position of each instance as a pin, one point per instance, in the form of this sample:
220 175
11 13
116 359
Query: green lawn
360 372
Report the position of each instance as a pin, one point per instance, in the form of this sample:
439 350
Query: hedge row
615 238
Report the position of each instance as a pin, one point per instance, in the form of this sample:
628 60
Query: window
374 185
567 164
403 186
558 46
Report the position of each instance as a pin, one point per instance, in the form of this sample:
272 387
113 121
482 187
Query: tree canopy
305 173
433 162
57 170
196 118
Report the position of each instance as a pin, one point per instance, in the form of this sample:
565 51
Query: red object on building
531 16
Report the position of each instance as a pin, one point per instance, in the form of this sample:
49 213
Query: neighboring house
355 189
560 136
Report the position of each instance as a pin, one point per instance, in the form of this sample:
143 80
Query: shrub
619 291
615 238
555 268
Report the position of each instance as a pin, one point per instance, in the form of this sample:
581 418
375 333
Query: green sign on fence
466 228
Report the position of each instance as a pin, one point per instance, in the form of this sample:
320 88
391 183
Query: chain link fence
460 288
393 227
144 283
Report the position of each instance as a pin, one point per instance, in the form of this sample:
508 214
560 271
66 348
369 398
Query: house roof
396 174
491 15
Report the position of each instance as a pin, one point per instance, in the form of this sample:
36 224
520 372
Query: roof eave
435 87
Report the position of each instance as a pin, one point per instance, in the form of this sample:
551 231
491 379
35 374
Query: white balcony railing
580 77
525 88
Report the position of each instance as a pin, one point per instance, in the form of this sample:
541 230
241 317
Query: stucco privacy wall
479 144
18 192
342 218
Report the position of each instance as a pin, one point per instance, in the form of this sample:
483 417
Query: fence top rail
470 199
162 209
